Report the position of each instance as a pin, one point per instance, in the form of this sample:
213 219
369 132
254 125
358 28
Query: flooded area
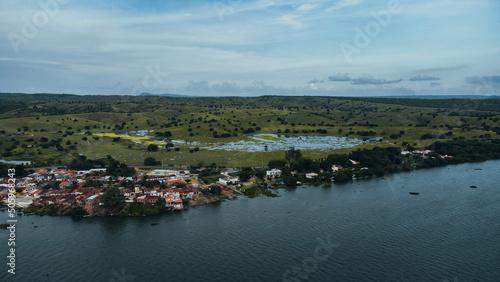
253 143
272 142
15 162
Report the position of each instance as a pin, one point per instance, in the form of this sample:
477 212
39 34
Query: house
152 199
169 202
141 199
311 175
273 173
336 168
91 203
229 180
354 162
178 204
41 171
65 184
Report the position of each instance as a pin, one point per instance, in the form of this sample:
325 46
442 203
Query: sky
251 48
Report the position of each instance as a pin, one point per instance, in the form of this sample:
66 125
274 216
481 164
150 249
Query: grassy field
51 129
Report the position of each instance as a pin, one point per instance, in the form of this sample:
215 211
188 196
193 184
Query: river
368 230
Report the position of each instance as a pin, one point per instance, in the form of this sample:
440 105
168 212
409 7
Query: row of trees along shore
364 163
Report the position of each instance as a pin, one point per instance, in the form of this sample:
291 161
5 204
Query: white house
336 167
311 175
228 180
273 173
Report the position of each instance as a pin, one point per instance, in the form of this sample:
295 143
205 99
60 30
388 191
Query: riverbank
163 191
378 232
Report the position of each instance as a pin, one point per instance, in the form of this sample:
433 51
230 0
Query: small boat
472 186
155 223
414 193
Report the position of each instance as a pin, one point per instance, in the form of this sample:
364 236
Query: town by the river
364 230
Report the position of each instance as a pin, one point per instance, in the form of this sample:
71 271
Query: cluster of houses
85 188
423 153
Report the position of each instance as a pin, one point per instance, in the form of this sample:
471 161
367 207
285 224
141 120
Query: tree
215 190
112 197
150 161
260 173
152 148
245 175
290 181
76 211
161 202
276 164
343 175
292 155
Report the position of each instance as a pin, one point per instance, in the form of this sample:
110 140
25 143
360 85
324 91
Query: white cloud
291 20
306 7
345 3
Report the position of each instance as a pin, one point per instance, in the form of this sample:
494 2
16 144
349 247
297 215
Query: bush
152 148
150 161
76 211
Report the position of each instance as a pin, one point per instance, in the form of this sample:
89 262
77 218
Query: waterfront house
229 180
178 204
311 175
273 173
91 203
336 168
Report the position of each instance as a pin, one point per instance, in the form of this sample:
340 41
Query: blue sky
248 48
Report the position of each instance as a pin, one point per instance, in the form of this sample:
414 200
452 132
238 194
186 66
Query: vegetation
256 190
150 161
53 130
112 197
364 163
136 209
76 211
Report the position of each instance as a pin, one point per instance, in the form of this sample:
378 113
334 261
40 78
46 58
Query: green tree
292 156
112 197
76 211
152 148
245 176
150 161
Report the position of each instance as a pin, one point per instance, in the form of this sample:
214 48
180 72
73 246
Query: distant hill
441 97
165 95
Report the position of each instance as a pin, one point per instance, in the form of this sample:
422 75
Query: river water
369 230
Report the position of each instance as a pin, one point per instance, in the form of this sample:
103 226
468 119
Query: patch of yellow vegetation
113 135
155 143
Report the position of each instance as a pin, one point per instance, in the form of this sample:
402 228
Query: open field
50 129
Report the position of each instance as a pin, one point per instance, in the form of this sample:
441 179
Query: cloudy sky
235 47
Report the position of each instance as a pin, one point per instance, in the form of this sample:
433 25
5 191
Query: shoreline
227 194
